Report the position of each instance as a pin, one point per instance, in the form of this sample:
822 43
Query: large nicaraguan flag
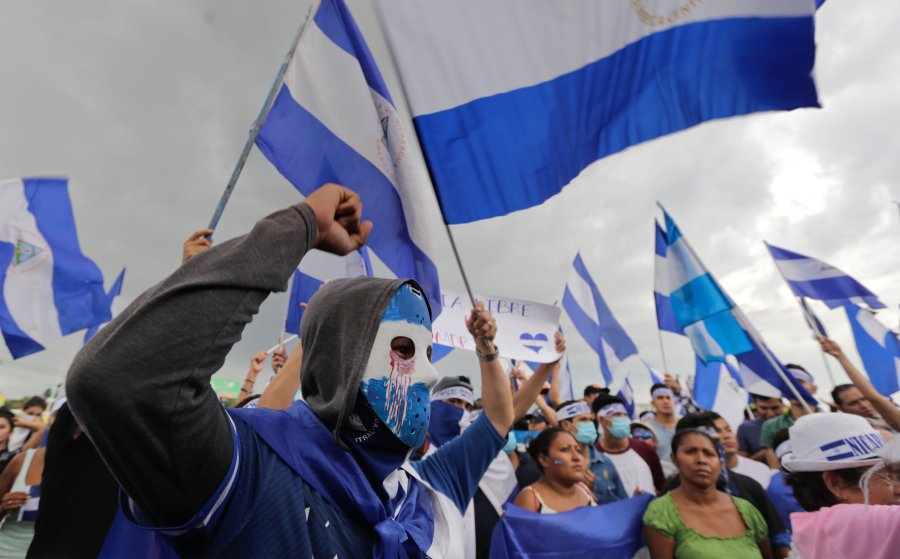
48 288
612 531
699 305
665 317
513 98
334 121
812 278
594 320
878 348
114 291
316 268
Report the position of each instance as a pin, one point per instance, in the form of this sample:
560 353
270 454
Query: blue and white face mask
397 389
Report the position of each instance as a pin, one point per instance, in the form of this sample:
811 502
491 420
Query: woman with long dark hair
696 520
562 465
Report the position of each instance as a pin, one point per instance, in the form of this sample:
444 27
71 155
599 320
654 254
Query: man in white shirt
760 473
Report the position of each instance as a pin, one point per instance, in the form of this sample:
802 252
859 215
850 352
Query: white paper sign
525 330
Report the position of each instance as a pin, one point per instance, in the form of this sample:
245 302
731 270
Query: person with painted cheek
560 488
328 476
600 476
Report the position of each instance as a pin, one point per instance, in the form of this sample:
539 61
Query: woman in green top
697 521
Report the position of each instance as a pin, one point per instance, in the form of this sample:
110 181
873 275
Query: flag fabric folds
878 348
512 99
717 388
612 531
48 288
334 121
818 329
699 305
665 316
626 393
594 320
316 268
759 374
114 291
812 278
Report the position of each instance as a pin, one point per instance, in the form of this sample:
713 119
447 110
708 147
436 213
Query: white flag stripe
806 269
873 328
324 266
530 41
661 275
583 295
704 344
329 83
683 265
28 289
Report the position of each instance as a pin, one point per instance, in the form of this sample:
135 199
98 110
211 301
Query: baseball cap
822 442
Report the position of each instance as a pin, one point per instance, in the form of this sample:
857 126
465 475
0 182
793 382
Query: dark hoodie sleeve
140 388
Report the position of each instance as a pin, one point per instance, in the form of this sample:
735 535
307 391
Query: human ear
835 485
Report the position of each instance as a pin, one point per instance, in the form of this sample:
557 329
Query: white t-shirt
635 473
760 473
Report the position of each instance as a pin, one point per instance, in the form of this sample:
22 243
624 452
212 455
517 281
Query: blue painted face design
397 386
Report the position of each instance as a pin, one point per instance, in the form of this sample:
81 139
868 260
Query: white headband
458 392
572 410
610 409
800 374
662 392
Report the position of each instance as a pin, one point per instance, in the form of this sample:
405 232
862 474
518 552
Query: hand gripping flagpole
257 124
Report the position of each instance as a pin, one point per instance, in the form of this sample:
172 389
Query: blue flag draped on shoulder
334 121
665 317
878 348
114 291
594 321
613 531
513 98
48 288
699 305
812 278
315 269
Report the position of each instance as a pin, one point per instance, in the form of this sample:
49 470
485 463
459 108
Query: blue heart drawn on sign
534 342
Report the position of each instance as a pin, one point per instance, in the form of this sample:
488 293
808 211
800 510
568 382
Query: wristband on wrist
488 357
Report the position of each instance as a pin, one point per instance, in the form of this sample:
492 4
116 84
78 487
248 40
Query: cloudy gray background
145 107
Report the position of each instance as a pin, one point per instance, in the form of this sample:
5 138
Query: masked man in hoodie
327 477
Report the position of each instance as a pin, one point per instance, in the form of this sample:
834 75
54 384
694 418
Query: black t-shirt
79 497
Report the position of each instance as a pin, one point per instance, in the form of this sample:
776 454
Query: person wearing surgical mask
327 477
636 461
601 476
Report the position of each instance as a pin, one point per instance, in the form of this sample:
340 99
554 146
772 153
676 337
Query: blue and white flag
626 393
513 98
761 372
717 388
114 291
699 305
665 316
594 321
48 288
611 531
878 348
315 269
334 121
808 277
818 329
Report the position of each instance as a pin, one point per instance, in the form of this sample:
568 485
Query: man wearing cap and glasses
787 419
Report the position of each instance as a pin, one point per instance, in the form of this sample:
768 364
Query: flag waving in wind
114 291
665 317
594 321
48 288
699 305
808 277
513 98
878 348
334 121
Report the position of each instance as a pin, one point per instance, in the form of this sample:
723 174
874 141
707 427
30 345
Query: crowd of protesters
355 447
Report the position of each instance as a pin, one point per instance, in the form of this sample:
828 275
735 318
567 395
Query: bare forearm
882 405
498 405
279 395
529 391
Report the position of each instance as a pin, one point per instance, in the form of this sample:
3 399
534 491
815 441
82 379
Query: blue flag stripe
539 138
18 342
699 298
77 281
879 357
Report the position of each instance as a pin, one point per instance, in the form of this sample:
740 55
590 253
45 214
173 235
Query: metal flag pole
662 350
816 335
254 129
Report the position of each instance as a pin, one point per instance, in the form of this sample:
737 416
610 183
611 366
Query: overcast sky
145 106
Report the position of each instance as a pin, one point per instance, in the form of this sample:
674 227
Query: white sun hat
832 441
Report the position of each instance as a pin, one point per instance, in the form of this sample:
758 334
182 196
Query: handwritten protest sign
525 329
